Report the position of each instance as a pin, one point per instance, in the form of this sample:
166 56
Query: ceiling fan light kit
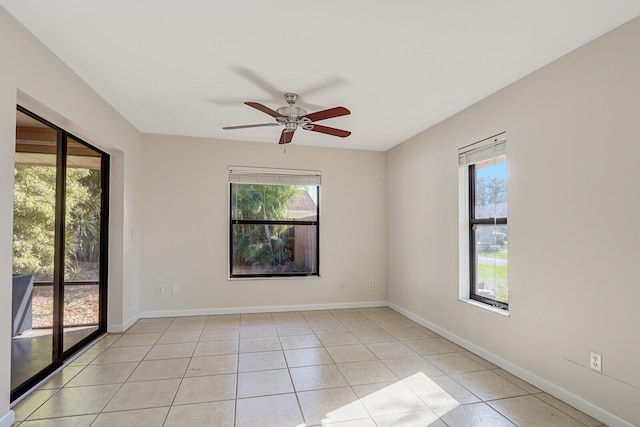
291 117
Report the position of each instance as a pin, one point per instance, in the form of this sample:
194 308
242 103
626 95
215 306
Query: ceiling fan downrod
291 98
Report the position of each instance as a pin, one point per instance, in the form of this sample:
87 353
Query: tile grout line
236 397
166 416
564 412
351 385
129 376
293 385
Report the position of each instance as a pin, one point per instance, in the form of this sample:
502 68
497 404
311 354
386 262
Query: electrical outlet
595 362
176 288
160 289
371 283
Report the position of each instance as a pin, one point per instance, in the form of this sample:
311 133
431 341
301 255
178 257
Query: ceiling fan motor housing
292 111
292 117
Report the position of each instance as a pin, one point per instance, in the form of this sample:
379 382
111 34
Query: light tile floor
356 367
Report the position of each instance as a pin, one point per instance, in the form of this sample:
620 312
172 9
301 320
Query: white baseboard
8 419
577 402
262 309
117 329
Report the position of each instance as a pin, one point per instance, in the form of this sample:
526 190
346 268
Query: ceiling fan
292 117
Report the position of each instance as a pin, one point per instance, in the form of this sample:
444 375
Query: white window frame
485 149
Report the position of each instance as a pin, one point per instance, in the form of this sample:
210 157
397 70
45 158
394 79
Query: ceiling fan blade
251 126
327 114
320 86
330 131
264 109
286 136
254 78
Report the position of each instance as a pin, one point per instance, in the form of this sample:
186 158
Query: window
485 167
274 222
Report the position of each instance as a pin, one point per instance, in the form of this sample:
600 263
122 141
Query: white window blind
246 175
483 150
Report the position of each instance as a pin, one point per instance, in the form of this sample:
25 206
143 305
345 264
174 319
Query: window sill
486 307
239 279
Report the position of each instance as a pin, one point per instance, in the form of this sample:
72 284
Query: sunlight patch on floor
401 403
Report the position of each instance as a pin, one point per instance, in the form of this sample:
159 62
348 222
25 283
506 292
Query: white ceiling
185 67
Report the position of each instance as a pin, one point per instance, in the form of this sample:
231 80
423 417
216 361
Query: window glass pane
82 242
83 204
491 188
492 265
34 218
260 249
81 302
274 202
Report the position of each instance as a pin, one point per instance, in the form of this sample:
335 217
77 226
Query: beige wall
573 132
574 206
185 206
34 77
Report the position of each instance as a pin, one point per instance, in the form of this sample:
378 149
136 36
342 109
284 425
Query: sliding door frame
59 355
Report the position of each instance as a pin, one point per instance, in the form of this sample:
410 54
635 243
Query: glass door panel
33 249
82 242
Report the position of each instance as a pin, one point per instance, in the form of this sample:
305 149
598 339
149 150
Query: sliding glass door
59 248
